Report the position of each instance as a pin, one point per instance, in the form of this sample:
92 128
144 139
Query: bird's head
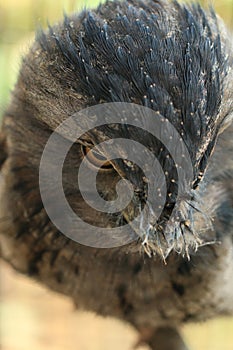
160 73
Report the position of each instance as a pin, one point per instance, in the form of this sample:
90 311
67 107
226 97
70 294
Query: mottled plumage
175 59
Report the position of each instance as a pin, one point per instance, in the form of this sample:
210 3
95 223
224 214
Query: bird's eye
96 159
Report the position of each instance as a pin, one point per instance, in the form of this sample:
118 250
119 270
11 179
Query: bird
162 57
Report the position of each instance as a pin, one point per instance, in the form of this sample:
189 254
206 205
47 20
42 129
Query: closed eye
96 159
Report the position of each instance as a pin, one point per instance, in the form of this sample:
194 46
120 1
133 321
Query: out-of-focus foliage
19 20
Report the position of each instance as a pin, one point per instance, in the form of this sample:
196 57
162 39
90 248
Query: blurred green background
33 317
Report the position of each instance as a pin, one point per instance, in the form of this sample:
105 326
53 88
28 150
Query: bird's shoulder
3 154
